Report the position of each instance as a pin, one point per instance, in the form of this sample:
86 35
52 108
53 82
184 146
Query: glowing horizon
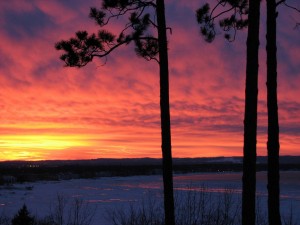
111 109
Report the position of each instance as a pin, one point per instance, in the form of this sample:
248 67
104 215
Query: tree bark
250 121
165 116
273 124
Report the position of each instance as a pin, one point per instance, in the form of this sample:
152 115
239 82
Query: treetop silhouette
81 49
235 15
23 217
235 18
143 15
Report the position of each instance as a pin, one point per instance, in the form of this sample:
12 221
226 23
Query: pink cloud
116 102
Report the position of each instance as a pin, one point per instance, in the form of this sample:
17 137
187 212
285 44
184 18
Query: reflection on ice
96 188
108 200
210 190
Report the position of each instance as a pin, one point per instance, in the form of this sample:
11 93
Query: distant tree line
64 172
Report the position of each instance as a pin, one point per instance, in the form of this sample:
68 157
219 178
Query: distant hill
149 161
23 171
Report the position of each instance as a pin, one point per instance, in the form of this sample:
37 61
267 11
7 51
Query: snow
107 193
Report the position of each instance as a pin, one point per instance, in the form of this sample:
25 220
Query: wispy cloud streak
111 108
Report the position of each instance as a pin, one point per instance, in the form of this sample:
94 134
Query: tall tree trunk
250 121
273 125
165 116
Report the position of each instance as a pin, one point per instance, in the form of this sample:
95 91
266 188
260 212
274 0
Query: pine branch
287 5
280 2
81 50
292 7
232 23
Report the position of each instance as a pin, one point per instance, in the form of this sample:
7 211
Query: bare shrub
260 212
80 213
4 220
149 212
57 216
193 207
290 218
76 212
202 207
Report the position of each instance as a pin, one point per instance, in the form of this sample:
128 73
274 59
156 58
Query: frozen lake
110 192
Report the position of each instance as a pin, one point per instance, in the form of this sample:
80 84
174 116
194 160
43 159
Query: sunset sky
110 109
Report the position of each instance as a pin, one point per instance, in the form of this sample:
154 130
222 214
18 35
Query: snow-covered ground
107 193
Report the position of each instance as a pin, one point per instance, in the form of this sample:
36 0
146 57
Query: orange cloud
110 108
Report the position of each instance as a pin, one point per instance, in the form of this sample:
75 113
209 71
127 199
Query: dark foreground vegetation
21 171
191 208
63 212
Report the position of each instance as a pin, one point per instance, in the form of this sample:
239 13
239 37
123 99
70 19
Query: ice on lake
111 192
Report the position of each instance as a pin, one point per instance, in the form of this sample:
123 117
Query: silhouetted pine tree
233 23
273 124
84 47
23 217
273 144
250 121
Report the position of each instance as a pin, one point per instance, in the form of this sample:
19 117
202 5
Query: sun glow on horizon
30 147
112 109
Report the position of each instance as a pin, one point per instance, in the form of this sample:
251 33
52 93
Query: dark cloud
28 23
292 107
291 129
